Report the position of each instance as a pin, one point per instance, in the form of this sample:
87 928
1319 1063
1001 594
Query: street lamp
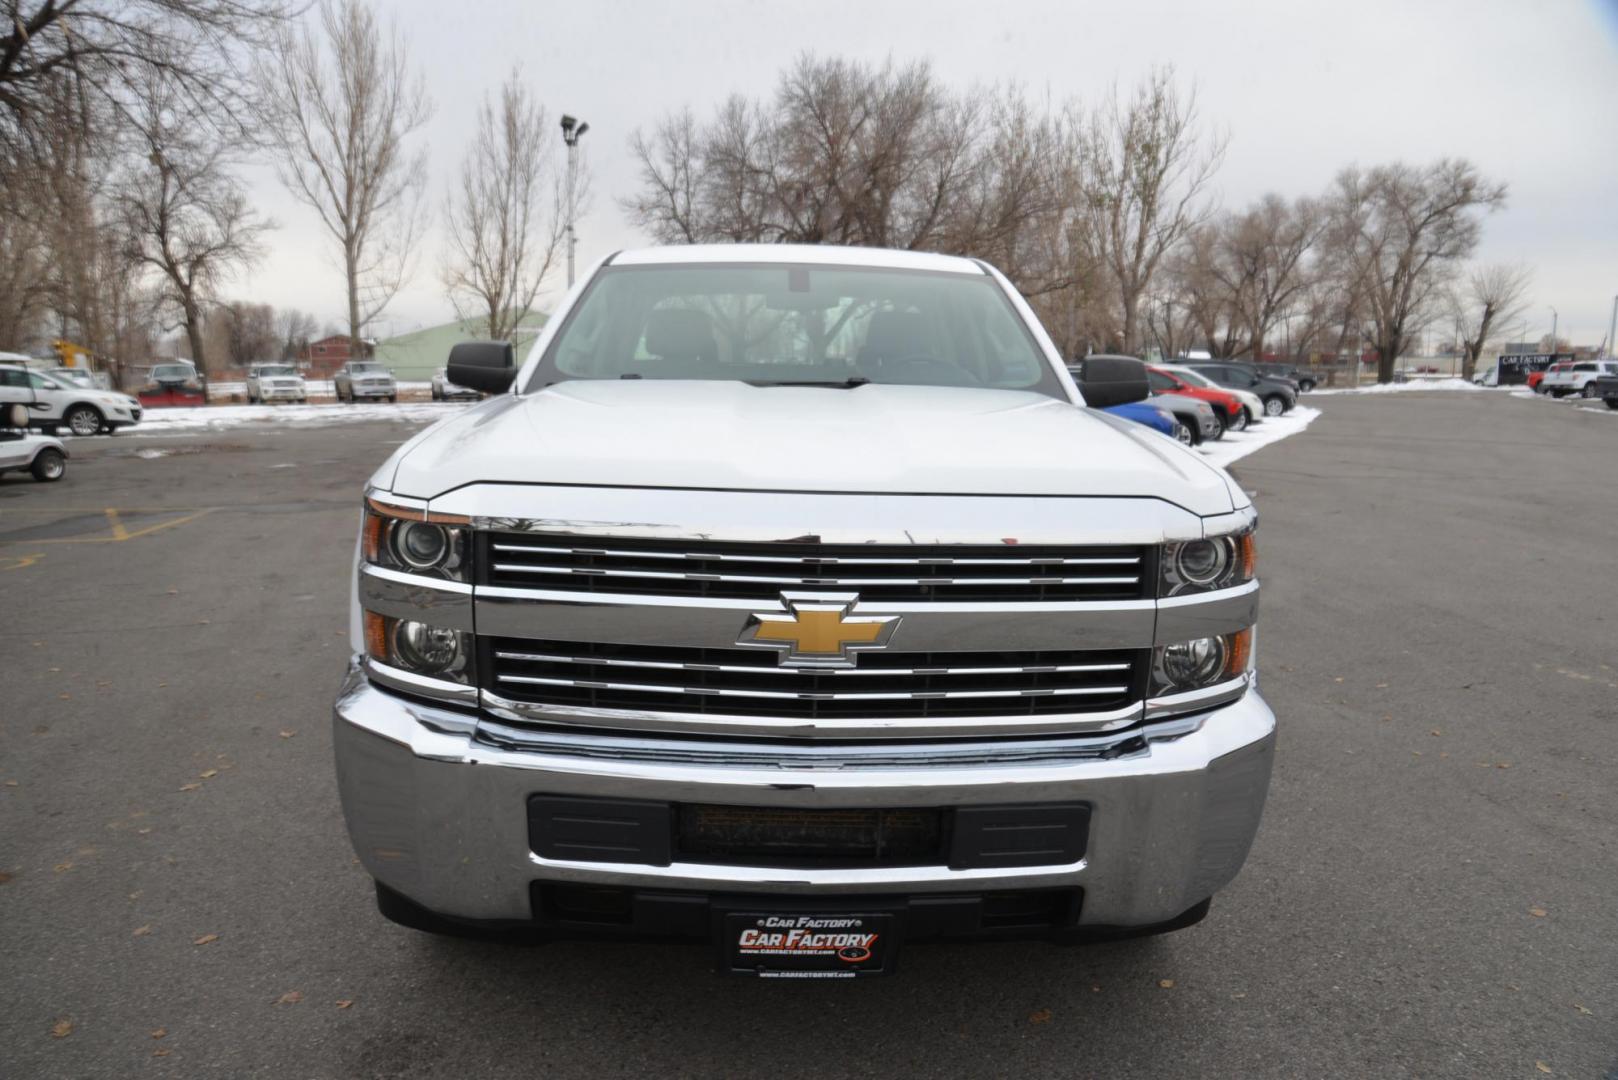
572 132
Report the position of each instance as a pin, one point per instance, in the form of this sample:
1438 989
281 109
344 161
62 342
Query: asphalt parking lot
1432 892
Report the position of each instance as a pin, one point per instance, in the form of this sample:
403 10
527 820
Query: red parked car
1227 407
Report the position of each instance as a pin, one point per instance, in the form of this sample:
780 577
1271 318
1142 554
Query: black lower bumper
573 912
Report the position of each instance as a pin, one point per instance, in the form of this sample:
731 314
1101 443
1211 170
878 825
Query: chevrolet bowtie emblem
818 630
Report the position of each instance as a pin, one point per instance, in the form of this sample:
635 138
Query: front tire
49 465
1588 390
1305 386
1610 402
1274 406
1182 435
83 421
1239 421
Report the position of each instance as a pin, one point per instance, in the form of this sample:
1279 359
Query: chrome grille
892 572
742 681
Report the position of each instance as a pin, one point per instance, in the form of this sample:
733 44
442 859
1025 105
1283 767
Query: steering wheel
913 361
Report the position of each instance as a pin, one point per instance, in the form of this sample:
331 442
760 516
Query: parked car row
1200 401
1575 377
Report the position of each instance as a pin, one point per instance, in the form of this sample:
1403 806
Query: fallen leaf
1167 984
159 1033
1338 679
1381 686
174 592
1542 1067
161 1051
208 774
136 894
1504 765
4 877
11 783
1040 1016
349 1001
291 997
285 734
142 931
1582 1009
190 787
205 939
144 831
61 866
162 684
1435 733
65 696
1238 997
1538 912
62 1028
202 622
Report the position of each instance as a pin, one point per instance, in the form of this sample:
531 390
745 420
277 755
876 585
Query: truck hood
869 439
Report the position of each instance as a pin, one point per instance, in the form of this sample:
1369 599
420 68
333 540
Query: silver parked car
444 390
276 382
365 379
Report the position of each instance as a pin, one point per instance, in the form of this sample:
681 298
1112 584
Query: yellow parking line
118 530
19 562
150 529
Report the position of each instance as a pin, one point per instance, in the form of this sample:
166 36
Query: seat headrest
680 332
892 334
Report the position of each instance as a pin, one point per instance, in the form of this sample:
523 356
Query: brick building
321 359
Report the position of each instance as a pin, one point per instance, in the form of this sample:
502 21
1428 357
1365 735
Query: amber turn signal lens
371 536
1247 556
1239 650
376 636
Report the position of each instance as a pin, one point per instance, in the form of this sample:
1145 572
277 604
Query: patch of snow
1405 387
163 421
1238 444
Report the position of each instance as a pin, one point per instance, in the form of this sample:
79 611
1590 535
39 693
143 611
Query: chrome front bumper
441 817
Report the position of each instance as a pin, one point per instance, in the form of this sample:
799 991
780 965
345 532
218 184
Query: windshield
277 369
776 325
366 369
172 371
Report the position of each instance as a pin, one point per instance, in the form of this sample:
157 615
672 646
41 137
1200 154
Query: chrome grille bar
838 560
790 582
719 691
760 669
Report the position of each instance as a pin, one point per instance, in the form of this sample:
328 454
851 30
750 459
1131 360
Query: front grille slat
736 681
762 570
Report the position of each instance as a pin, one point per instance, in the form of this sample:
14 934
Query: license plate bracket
795 943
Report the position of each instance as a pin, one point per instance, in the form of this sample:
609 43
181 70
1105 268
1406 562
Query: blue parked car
1153 417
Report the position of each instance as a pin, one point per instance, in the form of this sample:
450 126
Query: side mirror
489 366
1106 381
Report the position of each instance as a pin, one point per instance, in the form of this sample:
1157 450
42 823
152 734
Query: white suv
52 404
1576 378
276 382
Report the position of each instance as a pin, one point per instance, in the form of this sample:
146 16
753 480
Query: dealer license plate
809 945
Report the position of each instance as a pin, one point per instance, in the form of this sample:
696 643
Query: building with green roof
413 357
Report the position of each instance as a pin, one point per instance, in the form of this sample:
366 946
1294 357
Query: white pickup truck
791 599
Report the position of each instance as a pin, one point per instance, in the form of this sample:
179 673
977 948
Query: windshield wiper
838 384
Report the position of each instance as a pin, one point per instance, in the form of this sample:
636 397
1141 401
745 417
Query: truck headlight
415 542
1201 662
1213 562
419 648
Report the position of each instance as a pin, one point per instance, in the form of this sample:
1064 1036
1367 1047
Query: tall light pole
572 132
1554 317
1612 328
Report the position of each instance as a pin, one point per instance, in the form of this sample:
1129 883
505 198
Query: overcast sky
1526 90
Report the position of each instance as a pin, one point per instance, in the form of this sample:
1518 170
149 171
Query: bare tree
341 109
1144 166
1489 295
183 211
1403 231
248 332
294 329
111 48
1263 262
508 219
